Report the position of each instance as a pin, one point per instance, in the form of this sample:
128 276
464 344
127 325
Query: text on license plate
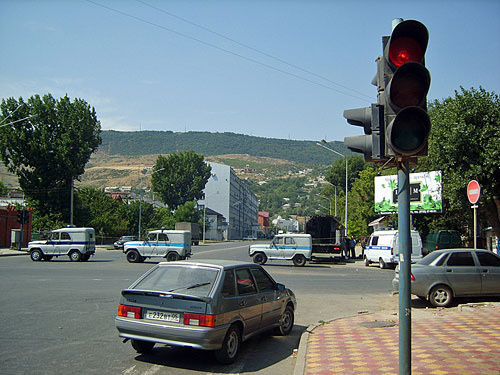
164 316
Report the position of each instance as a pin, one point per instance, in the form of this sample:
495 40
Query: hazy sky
275 68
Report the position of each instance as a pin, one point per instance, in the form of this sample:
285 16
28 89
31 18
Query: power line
223 49
252 48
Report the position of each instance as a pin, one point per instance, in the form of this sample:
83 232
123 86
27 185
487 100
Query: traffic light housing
372 120
398 125
20 216
403 83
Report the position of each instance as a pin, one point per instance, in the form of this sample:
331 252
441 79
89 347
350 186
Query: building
226 194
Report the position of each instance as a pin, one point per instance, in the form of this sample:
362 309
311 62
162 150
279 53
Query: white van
170 244
77 243
383 248
294 247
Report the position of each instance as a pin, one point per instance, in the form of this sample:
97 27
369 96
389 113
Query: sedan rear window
189 280
461 260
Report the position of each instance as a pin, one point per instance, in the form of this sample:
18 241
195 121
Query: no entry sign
473 191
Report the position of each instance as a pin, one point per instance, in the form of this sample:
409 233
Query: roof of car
211 262
457 249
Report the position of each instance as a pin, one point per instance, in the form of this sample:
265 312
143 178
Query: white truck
295 247
170 244
383 248
77 243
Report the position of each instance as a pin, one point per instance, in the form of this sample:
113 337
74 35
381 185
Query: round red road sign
473 191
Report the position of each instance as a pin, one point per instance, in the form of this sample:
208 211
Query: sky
274 68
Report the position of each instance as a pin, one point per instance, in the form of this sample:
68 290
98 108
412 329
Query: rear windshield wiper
190 287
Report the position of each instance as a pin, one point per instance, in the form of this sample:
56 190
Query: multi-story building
228 195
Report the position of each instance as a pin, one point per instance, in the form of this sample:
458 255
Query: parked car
442 239
445 274
119 243
213 305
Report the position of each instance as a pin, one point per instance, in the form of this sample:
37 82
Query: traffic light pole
404 268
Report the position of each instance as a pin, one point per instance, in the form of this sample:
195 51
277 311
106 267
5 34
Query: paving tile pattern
462 341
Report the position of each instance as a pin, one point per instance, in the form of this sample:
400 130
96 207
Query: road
58 317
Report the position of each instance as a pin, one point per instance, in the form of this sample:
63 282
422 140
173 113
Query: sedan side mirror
281 287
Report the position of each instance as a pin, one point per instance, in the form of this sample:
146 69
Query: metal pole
140 214
346 190
475 226
71 203
404 268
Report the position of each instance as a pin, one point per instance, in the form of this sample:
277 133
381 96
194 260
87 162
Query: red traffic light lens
403 50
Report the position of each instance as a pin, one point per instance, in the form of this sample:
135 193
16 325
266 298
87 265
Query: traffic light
20 216
403 83
26 217
372 120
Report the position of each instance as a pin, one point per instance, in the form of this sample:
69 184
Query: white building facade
228 195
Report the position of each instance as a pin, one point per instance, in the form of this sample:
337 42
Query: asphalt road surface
57 317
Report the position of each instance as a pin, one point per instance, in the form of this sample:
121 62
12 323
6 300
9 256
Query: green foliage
180 177
361 202
464 145
336 173
167 142
49 148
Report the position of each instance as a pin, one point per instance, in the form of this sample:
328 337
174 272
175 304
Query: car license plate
163 316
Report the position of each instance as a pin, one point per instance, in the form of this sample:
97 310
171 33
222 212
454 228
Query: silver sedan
445 274
210 305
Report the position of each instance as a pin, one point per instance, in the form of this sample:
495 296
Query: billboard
425 193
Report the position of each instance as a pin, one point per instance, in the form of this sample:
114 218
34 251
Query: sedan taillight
203 320
129 311
412 278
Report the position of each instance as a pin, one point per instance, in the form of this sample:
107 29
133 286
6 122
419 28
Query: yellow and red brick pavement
458 341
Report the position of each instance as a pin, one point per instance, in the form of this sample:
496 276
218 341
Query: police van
170 244
77 243
383 248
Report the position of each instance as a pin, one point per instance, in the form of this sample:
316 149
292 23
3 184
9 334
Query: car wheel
440 296
172 256
133 256
299 260
286 322
259 258
142 346
382 264
230 347
75 256
367 262
47 257
36 255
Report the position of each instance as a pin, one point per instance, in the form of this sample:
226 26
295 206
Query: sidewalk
9 252
460 340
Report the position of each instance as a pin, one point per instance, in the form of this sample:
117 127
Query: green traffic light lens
409 131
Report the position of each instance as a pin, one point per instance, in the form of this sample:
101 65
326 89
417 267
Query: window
162 237
278 241
151 237
374 241
289 241
53 236
245 282
264 282
65 236
462 259
488 259
228 289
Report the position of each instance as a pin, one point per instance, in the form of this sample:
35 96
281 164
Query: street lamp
140 202
322 144
335 186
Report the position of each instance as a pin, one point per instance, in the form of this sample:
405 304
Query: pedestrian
352 245
363 246
346 248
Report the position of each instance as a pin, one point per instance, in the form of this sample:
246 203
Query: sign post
473 193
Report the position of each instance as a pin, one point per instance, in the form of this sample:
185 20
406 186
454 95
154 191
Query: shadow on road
257 353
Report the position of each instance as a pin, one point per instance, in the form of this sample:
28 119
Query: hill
210 144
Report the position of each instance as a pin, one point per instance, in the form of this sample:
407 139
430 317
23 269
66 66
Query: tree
47 146
180 177
361 202
464 144
336 173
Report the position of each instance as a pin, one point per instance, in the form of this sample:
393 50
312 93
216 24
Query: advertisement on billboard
425 193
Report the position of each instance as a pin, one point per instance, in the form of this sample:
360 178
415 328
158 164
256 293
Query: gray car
445 274
211 305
